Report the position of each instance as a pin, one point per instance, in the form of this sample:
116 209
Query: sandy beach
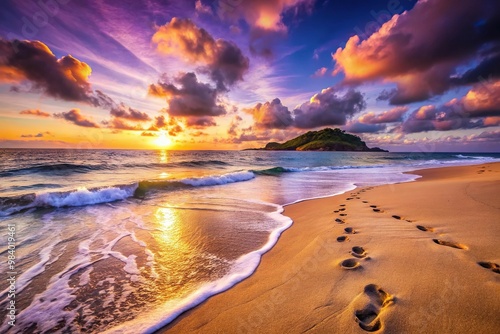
418 257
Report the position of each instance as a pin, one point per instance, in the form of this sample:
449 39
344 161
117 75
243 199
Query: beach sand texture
418 257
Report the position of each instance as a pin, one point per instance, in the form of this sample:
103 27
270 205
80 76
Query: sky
404 75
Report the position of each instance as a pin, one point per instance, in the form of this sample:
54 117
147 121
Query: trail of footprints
374 299
368 316
372 302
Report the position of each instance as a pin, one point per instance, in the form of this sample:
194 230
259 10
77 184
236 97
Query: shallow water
106 238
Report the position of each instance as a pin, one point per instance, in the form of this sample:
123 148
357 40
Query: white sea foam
83 196
80 197
36 269
219 179
85 277
131 266
461 156
242 268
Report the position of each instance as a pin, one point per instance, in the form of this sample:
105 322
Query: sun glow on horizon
163 140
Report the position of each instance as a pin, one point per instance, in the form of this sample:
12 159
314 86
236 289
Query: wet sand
416 257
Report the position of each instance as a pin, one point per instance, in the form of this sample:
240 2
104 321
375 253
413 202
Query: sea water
126 240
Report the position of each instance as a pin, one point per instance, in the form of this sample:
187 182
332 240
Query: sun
163 140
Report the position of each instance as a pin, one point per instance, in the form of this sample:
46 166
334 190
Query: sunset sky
404 75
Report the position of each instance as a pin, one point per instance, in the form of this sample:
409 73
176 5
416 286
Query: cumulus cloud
479 108
320 72
375 123
491 121
264 14
389 116
487 136
170 124
76 117
38 135
271 115
148 134
160 122
235 123
484 141
65 78
99 99
359 127
190 98
222 60
200 122
431 118
421 58
123 111
123 117
265 18
262 135
483 99
328 108
200 8
34 112
118 123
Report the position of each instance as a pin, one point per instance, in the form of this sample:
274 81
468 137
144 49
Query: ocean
106 241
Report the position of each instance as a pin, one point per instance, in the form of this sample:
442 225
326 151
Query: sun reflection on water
163 155
168 223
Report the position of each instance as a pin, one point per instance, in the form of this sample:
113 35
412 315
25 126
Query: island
323 140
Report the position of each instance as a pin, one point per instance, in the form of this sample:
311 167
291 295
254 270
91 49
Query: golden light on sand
163 140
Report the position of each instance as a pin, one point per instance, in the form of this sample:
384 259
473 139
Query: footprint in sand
350 230
373 206
375 300
335 211
378 210
425 228
342 204
358 251
490 265
350 264
340 221
397 217
349 198
342 238
342 209
343 214
449 244
365 201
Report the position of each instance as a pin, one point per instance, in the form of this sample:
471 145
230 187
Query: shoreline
295 274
